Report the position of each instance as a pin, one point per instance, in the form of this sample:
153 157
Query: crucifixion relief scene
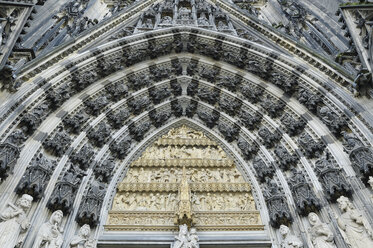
186 123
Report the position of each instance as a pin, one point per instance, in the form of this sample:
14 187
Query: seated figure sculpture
186 239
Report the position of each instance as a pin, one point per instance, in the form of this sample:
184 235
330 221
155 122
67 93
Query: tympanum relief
184 178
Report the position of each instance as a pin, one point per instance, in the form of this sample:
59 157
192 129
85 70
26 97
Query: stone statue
82 240
355 228
186 239
50 233
288 240
193 238
13 221
321 235
371 181
182 240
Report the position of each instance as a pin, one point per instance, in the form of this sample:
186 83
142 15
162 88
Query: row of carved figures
354 228
165 175
14 222
172 152
200 202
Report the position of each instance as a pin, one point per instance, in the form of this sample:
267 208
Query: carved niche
361 156
64 192
183 178
36 177
331 178
305 199
278 208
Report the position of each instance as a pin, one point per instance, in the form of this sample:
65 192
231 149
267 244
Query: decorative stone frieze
309 99
210 96
229 82
138 81
158 118
36 178
193 89
56 97
191 108
284 82
81 81
176 108
230 105
108 66
159 94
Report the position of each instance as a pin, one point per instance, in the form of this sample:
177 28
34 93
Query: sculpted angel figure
321 235
288 240
82 240
50 233
356 230
13 221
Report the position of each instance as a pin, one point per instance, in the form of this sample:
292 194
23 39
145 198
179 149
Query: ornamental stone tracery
75 118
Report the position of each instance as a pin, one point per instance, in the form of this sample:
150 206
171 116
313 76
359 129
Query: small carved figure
288 240
355 228
182 240
202 20
193 238
321 235
50 233
82 240
13 221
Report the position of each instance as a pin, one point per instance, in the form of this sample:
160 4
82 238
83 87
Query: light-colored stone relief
50 233
13 222
83 240
354 227
186 239
205 195
321 235
289 240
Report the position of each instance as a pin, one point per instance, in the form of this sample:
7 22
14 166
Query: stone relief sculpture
13 221
321 235
186 239
354 227
50 233
82 240
288 240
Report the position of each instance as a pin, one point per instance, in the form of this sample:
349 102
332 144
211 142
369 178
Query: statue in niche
166 20
202 20
50 233
193 238
148 24
222 26
13 221
82 240
288 240
321 235
355 228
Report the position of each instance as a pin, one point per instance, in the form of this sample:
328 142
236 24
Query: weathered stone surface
285 160
250 121
36 177
59 143
248 150
83 157
210 118
311 148
269 139
292 126
263 171
100 134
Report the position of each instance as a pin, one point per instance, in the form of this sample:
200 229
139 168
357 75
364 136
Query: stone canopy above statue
183 178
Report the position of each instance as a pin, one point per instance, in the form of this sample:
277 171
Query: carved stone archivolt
184 178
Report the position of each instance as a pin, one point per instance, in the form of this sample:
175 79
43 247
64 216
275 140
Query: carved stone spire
184 214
